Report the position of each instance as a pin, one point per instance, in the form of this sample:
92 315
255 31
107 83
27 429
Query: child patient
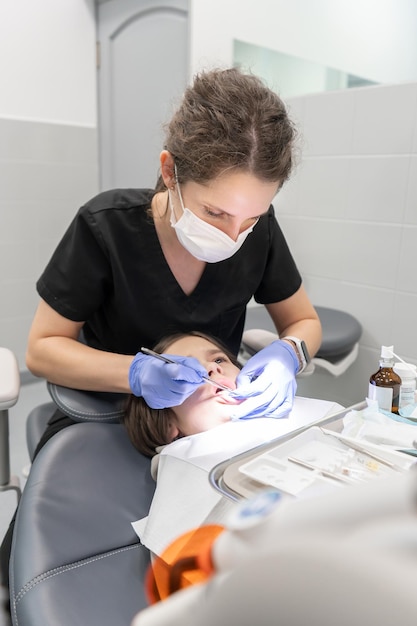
206 408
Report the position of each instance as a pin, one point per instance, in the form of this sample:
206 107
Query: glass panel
292 76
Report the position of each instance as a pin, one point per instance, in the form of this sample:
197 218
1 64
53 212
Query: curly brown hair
230 120
149 428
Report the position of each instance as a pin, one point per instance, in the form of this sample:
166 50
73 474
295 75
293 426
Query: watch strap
301 351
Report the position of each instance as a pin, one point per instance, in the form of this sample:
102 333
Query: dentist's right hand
163 385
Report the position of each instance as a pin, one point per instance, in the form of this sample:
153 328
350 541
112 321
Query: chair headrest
88 406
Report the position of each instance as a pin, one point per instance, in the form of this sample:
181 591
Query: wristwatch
301 351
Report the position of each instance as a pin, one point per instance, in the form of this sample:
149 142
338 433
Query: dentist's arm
297 317
55 353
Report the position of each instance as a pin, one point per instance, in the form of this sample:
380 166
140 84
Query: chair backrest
75 557
81 406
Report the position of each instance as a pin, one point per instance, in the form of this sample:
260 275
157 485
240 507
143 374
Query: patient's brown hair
149 428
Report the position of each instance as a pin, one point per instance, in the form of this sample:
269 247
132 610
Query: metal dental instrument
363 449
161 357
341 477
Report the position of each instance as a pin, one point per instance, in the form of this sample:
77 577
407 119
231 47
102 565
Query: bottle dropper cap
387 352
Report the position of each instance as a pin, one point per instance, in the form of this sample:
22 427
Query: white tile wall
407 273
326 179
384 119
404 315
46 172
336 110
414 148
411 203
377 188
350 217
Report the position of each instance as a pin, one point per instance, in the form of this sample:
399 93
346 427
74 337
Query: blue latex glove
163 385
266 383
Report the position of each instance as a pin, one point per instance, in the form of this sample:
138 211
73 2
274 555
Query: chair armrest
9 379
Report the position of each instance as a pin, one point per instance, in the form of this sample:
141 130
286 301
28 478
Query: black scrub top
109 271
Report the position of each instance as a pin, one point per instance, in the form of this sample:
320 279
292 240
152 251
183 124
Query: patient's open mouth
224 397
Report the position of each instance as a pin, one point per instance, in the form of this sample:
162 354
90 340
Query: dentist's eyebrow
211 207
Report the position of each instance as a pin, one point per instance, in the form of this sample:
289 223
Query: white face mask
204 241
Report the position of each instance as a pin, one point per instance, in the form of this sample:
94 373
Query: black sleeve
75 281
281 278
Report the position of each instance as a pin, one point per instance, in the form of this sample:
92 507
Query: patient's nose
214 368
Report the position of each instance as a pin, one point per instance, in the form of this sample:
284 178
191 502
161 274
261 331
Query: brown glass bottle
384 385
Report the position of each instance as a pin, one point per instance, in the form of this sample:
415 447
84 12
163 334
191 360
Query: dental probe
161 357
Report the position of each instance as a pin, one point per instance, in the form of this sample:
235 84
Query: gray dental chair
75 558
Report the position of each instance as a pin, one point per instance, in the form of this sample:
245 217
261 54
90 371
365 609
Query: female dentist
138 264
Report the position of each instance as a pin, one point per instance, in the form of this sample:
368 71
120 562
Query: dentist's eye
213 214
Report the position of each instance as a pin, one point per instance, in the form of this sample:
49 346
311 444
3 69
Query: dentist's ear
167 168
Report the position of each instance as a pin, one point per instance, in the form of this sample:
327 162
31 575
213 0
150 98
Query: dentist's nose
233 229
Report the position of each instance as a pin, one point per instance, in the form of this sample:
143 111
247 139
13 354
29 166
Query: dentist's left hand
266 385
163 385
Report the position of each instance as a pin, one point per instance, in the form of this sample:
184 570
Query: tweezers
161 357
